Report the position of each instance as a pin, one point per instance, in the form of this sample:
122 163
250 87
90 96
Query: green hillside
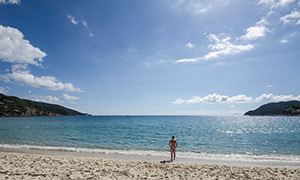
11 106
290 108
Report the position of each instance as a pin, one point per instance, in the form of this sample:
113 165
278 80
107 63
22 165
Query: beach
109 147
15 165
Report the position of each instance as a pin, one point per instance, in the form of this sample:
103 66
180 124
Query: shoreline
17 165
147 158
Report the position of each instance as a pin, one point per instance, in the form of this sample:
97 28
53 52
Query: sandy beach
32 166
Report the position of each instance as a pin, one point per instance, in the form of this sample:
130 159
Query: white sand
31 166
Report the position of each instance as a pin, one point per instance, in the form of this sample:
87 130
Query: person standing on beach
173 145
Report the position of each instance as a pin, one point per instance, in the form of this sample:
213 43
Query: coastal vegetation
11 106
289 108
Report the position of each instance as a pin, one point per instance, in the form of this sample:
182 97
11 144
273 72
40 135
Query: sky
151 57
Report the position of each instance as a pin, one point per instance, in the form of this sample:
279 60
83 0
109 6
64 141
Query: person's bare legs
174 156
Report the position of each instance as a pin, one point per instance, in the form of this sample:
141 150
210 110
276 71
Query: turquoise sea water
206 137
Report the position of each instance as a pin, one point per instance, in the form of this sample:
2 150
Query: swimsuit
173 149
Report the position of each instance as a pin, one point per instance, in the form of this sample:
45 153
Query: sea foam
188 155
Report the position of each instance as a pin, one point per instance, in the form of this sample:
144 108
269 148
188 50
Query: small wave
190 155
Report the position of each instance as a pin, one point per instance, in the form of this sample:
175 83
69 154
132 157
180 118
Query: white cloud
72 19
263 21
198 6
190 45
285 2
272 97
15 49
22 75
4 90
223 46
75 21
293 17
255 32
70 98
179 101
10 2
200 9
284 41
84 23
213 98
47 99
239 99
188 60
219 46
217 98
276 3
271 2
269 86
194 100
54 100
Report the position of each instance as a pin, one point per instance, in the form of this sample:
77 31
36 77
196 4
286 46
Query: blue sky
189 57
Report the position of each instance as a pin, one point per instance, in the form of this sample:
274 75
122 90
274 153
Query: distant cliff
11 106
290 108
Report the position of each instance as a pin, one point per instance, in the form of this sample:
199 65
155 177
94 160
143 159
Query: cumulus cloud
293 17
5 2
72 19
220 45
255 32
190 45
70 98
47 99
4 90
21 74
15 49
284 41
273 97
54 100
217 98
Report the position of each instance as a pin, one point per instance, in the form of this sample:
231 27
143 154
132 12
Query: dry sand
31 166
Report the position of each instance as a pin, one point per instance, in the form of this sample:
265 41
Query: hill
290 108
11 106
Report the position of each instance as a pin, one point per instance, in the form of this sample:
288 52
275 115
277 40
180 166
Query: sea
229 138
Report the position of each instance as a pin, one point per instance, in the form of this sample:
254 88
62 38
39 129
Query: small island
289 108
11 106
